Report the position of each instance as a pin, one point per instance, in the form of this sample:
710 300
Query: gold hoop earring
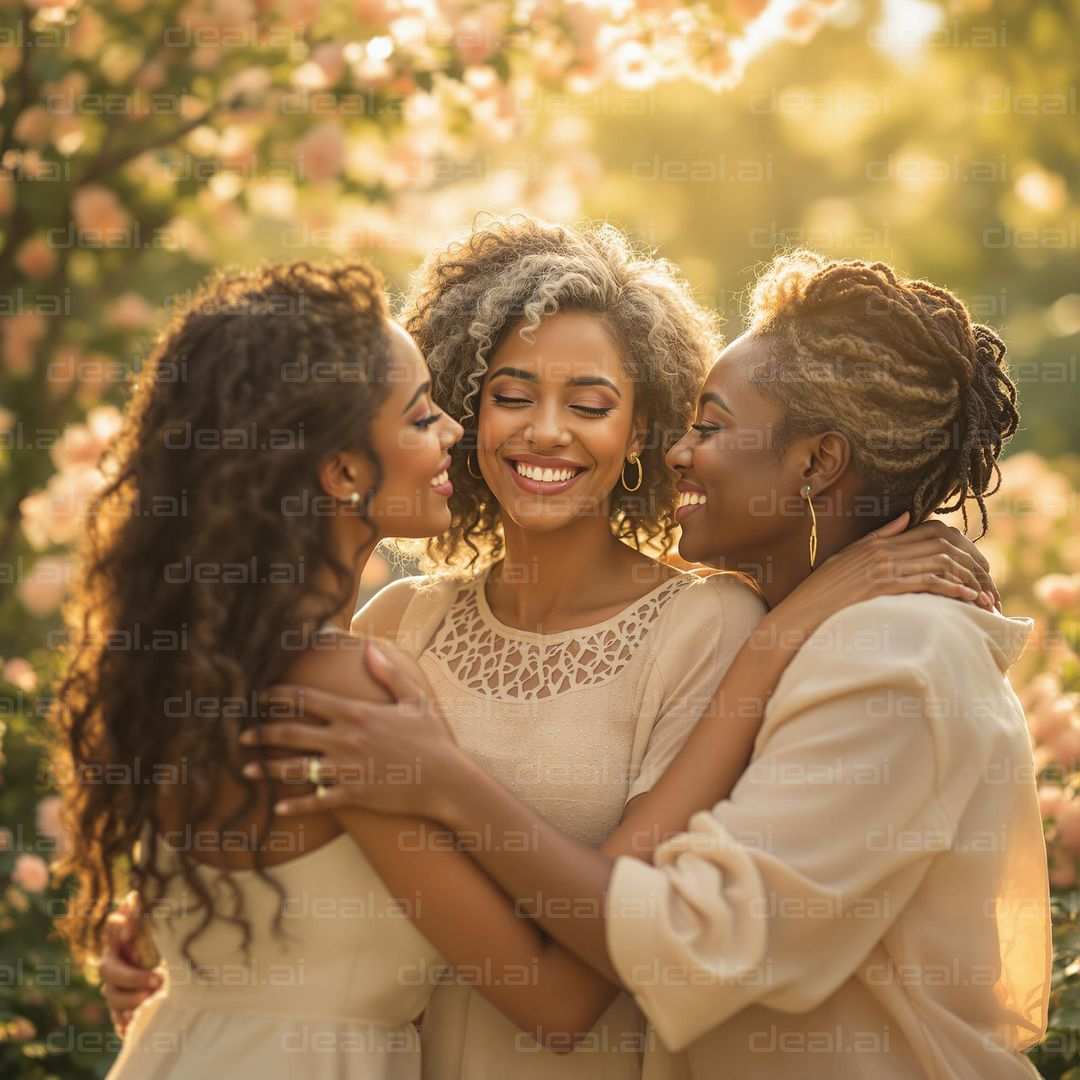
807 494
469 469
633 460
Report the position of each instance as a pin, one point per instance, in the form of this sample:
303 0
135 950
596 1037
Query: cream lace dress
575 724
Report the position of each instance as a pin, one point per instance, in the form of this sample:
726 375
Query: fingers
311 705
894 527
288 770
290 736
126 986
932 582
335 798
388 675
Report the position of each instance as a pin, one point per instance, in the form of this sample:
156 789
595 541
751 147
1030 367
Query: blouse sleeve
847 757
699 642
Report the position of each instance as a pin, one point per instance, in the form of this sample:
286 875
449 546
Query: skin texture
467 912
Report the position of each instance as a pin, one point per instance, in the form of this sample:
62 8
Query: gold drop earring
808 495
632 459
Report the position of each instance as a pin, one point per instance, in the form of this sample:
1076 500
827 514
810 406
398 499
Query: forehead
564 346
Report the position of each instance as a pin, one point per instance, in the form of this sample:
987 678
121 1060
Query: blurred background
143 144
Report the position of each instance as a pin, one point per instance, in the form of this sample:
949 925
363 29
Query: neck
788 565
545 572
326 583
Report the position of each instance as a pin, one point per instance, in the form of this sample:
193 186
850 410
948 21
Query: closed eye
705 430
428 420
502 399
590 410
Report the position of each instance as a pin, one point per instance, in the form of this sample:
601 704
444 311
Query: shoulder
387 613
717 603
915 644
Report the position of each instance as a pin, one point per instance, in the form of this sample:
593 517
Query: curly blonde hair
921 391
513 273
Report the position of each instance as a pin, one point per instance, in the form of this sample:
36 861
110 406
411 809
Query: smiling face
739 499
556 422
412 439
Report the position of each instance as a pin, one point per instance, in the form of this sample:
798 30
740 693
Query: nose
681 455
451 431
546 429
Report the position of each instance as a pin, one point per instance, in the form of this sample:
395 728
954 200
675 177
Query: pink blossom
1062 868
18 672
42 591
31 872
321 153
50 823
129 311
1059 593
34 126
98 208
1050 798
22 332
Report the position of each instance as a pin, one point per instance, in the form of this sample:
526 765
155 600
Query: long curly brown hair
198 558
920 389
513 273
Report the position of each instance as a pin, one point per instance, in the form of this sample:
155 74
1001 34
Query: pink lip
538 487
447 489
684 512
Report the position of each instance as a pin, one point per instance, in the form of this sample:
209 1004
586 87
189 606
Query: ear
641 430
824 461
343 473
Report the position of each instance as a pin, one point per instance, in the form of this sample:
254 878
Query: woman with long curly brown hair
282 427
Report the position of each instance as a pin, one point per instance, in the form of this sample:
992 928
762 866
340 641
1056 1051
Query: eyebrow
584 380
420 392
716 399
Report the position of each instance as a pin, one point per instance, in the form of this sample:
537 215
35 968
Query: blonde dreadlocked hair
899 367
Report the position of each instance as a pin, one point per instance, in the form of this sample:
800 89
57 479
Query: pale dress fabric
574 724
872 900
335 1003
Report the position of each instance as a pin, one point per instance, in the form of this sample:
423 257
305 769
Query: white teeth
692 498
544 476
441 479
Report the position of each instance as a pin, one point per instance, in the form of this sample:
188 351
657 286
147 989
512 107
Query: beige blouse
872 900
575 724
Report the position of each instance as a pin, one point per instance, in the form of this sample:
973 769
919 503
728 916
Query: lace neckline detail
496 624
494 660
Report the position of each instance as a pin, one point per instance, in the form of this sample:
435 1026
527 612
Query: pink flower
98 208
33 126
130 311
1059 593
1062 869
21 333
1050 798
31 873
42 591
321 153
50 823
1068 824
18 672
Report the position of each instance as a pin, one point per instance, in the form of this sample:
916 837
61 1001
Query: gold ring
313 770
320 791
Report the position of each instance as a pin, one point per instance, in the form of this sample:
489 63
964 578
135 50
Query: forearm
556 880
540 986
719 747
